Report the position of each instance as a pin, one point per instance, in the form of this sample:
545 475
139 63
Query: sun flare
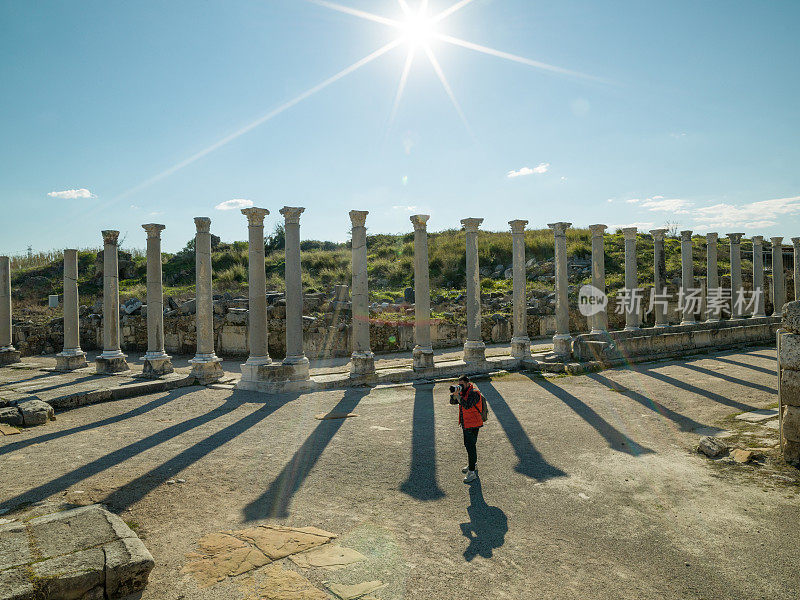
418 29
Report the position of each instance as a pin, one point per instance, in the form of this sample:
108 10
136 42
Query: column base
631 328
688 322
157 366
759 316
422 357
69 360
714 320
206 369
474 351
276 377
661 325
520 347
562 345
108 365
9 356
598 331
362 364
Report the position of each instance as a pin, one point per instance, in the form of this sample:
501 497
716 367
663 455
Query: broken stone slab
35 412
85 553
351 592
10 415
756 416
284 584
742 456
712 446
791 423
789 355
329 557
791 317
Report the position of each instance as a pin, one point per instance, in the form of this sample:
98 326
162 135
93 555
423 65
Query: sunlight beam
401 86
449 11
513 57
438 68
404 6
261 120
356 13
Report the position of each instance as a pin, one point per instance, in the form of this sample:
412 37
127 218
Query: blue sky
688 115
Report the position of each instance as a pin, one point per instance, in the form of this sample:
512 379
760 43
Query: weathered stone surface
790 387
277 542
791 452
284 584
712 446
791 423
76 575
128 564
790 317
351 592
758 415
742 456
789 351
35 412
11 416
328 557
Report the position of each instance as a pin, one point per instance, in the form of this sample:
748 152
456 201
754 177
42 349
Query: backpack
484 408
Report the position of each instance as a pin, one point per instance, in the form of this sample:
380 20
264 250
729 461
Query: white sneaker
471 476
464 470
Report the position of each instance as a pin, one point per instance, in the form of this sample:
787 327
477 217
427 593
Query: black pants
470 442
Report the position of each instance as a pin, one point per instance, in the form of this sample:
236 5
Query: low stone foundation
788 340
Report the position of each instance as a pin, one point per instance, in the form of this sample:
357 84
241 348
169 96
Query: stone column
736 272
295 361
599 321
778 279
796 271
206 367
758 275
659 275
156 361
423 350
474 348
112 360
562 341
71 357
687 275
362 361
520 342
8 354
632 321
257 291
712 274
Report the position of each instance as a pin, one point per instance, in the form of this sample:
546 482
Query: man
470 410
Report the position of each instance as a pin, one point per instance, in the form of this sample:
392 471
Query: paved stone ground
589 486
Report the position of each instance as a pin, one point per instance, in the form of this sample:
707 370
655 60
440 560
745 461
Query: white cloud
406 208
641 226
660 203
234 204
72 194
755 215
633 200
538 170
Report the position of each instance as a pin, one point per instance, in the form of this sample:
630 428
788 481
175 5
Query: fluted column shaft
599 321
520 342
758 276
155 293
474 348
562 341
659 275
796 270
256 287
712 275
204 301
423 350
111 345
294 287
687 275
736 273
778 279
631 277
5 305
362 361
72 339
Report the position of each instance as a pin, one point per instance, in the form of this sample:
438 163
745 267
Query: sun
418 28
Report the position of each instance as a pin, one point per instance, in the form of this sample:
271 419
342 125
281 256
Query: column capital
110 236
471 224
658 234
758 239
686 235
560 228
777 240
203 224
255 216
358 218
796 241
420 222
711 238
598 230
518 226
735 238
154 230
629 232
292 214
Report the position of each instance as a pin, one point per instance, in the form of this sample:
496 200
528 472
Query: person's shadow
487 525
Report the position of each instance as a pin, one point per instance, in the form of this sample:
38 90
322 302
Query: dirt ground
589 485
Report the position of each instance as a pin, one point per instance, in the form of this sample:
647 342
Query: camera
456 389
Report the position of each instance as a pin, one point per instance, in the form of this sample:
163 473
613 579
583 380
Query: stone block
791 452
789 357
127 566
70 362
790 387
35 412
188 308
791 317
107 366
154 368
10 415
75 575
712 446
9 357
791 423
206 372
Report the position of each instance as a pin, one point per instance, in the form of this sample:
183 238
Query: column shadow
530 463
649 372
730 378
765 370
487 526
57 385
421 482
275 501
683 422
616 439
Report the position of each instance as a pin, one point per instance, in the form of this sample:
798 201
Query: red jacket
469 415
